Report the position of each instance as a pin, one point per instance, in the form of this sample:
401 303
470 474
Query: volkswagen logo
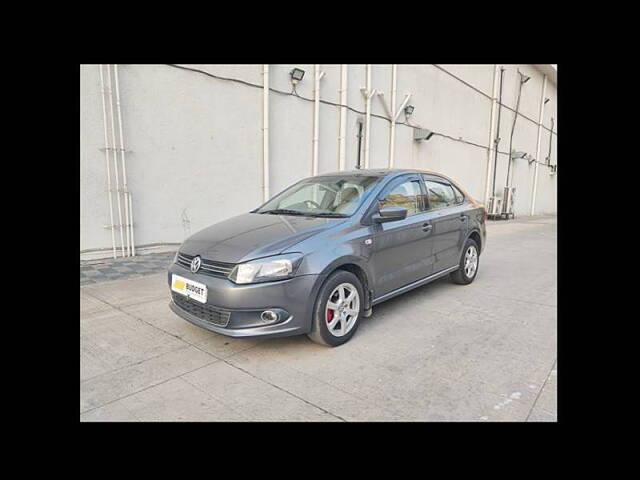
195 264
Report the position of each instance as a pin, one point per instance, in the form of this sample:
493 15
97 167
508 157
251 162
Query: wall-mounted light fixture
297 74
546 100
515 155
408 110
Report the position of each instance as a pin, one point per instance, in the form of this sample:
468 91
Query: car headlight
266 269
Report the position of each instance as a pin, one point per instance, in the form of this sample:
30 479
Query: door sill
413 285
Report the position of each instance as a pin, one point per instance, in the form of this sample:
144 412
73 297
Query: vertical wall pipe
367 124
343 117
392 133
492 130
513 128
265 132
106 153
127 197
115 157
317 76
133 243
538 143
497 138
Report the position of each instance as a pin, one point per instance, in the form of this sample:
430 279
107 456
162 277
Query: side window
440 194
406 195
458 195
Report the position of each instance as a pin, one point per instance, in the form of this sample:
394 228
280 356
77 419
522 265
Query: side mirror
389 214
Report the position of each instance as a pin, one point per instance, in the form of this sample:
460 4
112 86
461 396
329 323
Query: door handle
427 227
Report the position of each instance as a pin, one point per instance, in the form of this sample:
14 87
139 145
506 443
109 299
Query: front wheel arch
358 268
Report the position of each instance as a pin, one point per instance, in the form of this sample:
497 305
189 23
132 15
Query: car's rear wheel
469 262
337 310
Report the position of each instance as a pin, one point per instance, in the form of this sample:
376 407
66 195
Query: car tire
465 274
326 328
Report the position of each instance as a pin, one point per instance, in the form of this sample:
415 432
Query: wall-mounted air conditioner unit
508 200
495 206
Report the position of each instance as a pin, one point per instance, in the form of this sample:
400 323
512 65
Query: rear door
449 221
402 250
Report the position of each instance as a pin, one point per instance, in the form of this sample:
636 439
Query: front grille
208 313
208 267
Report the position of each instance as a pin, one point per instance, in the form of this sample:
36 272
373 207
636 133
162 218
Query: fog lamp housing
269 316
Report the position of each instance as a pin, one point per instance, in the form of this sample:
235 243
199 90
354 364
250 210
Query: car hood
253 235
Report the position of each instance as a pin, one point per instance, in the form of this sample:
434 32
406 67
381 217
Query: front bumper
245 303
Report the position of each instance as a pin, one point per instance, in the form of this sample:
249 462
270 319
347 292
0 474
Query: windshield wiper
284 211
329 215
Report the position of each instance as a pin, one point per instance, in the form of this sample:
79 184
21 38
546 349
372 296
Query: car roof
381 172
384 172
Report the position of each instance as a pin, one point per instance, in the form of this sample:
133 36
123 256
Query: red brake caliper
329 315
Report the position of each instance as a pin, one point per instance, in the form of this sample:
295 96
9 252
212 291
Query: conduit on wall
492 130
393 113
368 93
108 160
131 248
110 147
342 132
265 132
538 144
317 76
115 158
392 132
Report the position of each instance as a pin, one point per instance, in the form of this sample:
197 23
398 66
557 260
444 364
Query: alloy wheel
343 308
470 261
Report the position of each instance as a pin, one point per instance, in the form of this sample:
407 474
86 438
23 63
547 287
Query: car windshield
324 196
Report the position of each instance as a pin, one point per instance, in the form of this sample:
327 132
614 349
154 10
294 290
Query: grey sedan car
318 256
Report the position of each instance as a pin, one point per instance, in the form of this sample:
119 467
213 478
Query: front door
402 250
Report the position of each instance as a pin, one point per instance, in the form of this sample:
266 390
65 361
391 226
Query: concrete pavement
443 352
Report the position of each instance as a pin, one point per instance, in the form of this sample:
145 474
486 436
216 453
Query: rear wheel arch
475 235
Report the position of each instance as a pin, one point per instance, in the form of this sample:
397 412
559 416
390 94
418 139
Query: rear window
459 197
440 193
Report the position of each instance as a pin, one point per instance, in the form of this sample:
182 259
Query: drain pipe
548 159
393 117
358 166
521 82
392 133
106 153
368 93
497 137
316 117
538 142
265 132
131 250
343 117
492 130
115 159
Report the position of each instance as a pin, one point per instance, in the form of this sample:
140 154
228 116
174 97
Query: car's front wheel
337 310
469 262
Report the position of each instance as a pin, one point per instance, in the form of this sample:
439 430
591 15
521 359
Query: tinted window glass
440 194
406 195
